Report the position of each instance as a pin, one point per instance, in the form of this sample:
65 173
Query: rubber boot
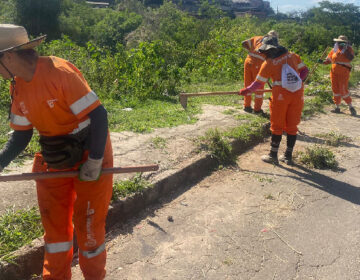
287 157
272 157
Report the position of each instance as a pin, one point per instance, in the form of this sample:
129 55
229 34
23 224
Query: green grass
150 114
354 78
317 157
129 187
270 197
18 228
217 143
334 139
218 146
252 128
158 142
313 106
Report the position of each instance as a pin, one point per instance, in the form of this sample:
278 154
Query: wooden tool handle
219 93
74 173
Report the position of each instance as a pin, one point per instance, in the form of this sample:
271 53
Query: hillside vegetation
137 51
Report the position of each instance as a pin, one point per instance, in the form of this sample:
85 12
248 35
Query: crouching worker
340 57
51 95
287 72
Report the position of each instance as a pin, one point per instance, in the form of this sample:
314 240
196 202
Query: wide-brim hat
341 38
269 42
14 37
273 33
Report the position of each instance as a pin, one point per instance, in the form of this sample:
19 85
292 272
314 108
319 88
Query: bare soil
253 221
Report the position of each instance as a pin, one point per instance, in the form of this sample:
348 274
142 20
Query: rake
184 96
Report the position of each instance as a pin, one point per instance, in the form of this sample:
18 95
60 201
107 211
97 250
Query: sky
296 5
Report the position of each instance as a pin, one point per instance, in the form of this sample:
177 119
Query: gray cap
269 42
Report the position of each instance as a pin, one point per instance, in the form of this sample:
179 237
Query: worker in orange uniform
51 95
251 68
340 57
287 72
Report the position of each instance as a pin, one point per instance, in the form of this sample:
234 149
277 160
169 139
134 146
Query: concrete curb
28 260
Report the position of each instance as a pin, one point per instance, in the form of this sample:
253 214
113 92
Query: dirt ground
253 221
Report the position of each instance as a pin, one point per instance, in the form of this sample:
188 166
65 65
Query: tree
338 17
39 16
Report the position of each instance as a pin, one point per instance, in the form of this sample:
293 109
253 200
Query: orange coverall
57 101
285 106
251 68
340 74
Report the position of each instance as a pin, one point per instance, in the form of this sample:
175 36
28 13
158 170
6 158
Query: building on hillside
233 7
253 7
98 4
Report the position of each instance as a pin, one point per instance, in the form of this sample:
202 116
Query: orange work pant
64 201
285 110
251 69
339 76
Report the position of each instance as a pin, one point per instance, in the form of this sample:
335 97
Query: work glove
90 170
243 91
320 61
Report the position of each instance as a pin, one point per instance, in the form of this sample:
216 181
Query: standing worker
340 57
50 94
251 68
287 72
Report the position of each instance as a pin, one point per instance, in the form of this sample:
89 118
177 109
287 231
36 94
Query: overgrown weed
218 146
158 142
334 139
129 187
18 228
317 157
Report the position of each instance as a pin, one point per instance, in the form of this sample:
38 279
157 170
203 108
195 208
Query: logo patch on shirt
51 103
23 108
280 97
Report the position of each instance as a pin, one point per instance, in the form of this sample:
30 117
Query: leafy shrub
217 146
318 157
128 187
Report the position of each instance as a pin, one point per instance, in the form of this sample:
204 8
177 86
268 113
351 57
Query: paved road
255 221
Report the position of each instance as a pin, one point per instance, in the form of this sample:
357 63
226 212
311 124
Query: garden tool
75 173
184 96
324 54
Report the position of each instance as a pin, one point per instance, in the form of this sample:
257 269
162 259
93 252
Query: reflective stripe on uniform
346 96
337 94
343 63
93 253
58 247
301 65
273 149
83 102
249 43
19 120
277 83
256 55
258 96
262 79
81 126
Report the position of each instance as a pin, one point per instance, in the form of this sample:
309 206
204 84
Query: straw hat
273 33
342 38
14 37
268 43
